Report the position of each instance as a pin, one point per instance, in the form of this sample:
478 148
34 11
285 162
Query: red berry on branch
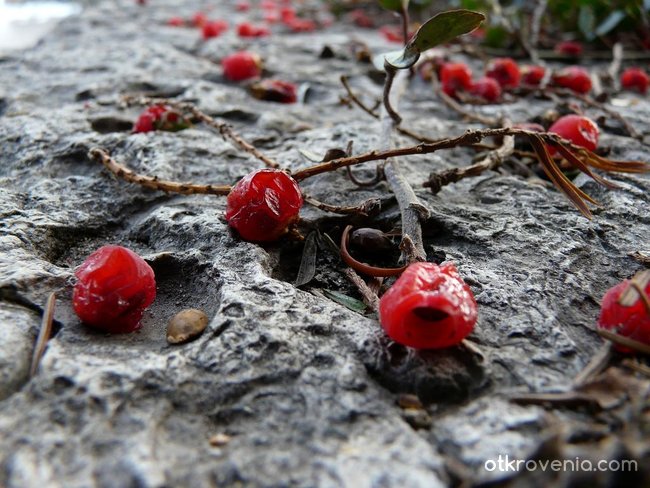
263 204
114 287
275 91
532 74
574 78
635 79
486 88
505 71
569 48
580 130
428 307
632 321
241 65
455 77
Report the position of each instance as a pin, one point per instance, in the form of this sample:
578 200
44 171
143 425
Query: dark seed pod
186 325
370 240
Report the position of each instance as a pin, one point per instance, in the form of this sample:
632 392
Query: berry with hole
573 77
632 321
263 204
455 77
241 65
114 287
635 79
486 88
505 71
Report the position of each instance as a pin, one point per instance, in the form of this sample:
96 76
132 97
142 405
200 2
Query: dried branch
153 182
369 297
388 85
224 130
624 341
44 334
365 208
597 364
457 107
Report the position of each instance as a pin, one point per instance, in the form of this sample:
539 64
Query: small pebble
218 440
186 325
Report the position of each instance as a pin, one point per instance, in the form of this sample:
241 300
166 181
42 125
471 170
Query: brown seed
186 325
218 440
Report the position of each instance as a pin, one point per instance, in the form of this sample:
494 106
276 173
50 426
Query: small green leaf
348 302
307 269
587 22
439 29
396 5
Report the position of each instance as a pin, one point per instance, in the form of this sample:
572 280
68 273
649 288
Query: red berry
160 117
241 65
287 14
532 74
199 19
570 48
428 307
455 77
635 79
392 33
269 5
361 18
243 6
114 287
214 29
632 321
573 77
263 204
486 88
301 25
246 29
176 22
578 129
275 91
505 71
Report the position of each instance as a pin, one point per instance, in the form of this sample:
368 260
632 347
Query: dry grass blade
44 334
558 178
575 161
624 341
593 159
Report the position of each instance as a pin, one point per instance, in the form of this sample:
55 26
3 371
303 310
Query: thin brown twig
153 182
636 366
641 258
364 208
368 296
624 341
379 176
225 130
596 365
636 290
44 334
457 107
388 85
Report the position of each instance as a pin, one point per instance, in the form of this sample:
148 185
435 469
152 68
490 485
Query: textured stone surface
306 388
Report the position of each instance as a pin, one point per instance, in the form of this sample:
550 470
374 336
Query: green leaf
348 302
439 29
587 22
307 269
610 22
396 5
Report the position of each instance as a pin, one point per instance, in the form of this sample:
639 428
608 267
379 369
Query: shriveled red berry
275 91
635 79
114 287
632 321
263 204
569 48
574 78
455 77
241 65
532 74
578 129
428 307
214 28
486 88
505 71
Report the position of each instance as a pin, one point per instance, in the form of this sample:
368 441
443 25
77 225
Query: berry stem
153 182
388 85
369 297
44 334
224 130
597 364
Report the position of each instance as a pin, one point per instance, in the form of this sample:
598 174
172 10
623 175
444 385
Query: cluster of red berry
160 117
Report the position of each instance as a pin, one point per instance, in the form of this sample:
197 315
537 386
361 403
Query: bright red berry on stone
632 321
574 78
569 48
635 79
114 287
532 74
275 91
241 65
486 88
263 204
428 307
505 71
214 28
580 130
455 77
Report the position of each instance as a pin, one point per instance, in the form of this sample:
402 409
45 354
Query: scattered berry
574 78
275 91
580 130
114 287
532 74
246 29
505 71
428 307
176 22
361 19
263 204
214 28
455 77
635 79
632 321
301 25
199 19
287 14
160 117
569 48
243 6
486 88
392 33
241 65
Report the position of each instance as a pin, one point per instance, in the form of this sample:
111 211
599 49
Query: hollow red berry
263 204
275 91
632 321
578 129
241 65
486 88
505 71
114 287
574 78
428 307
635 79
532 74
455 77
569 48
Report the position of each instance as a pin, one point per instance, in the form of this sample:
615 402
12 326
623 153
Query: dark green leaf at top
396 5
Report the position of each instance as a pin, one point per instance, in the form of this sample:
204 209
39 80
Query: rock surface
306 389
